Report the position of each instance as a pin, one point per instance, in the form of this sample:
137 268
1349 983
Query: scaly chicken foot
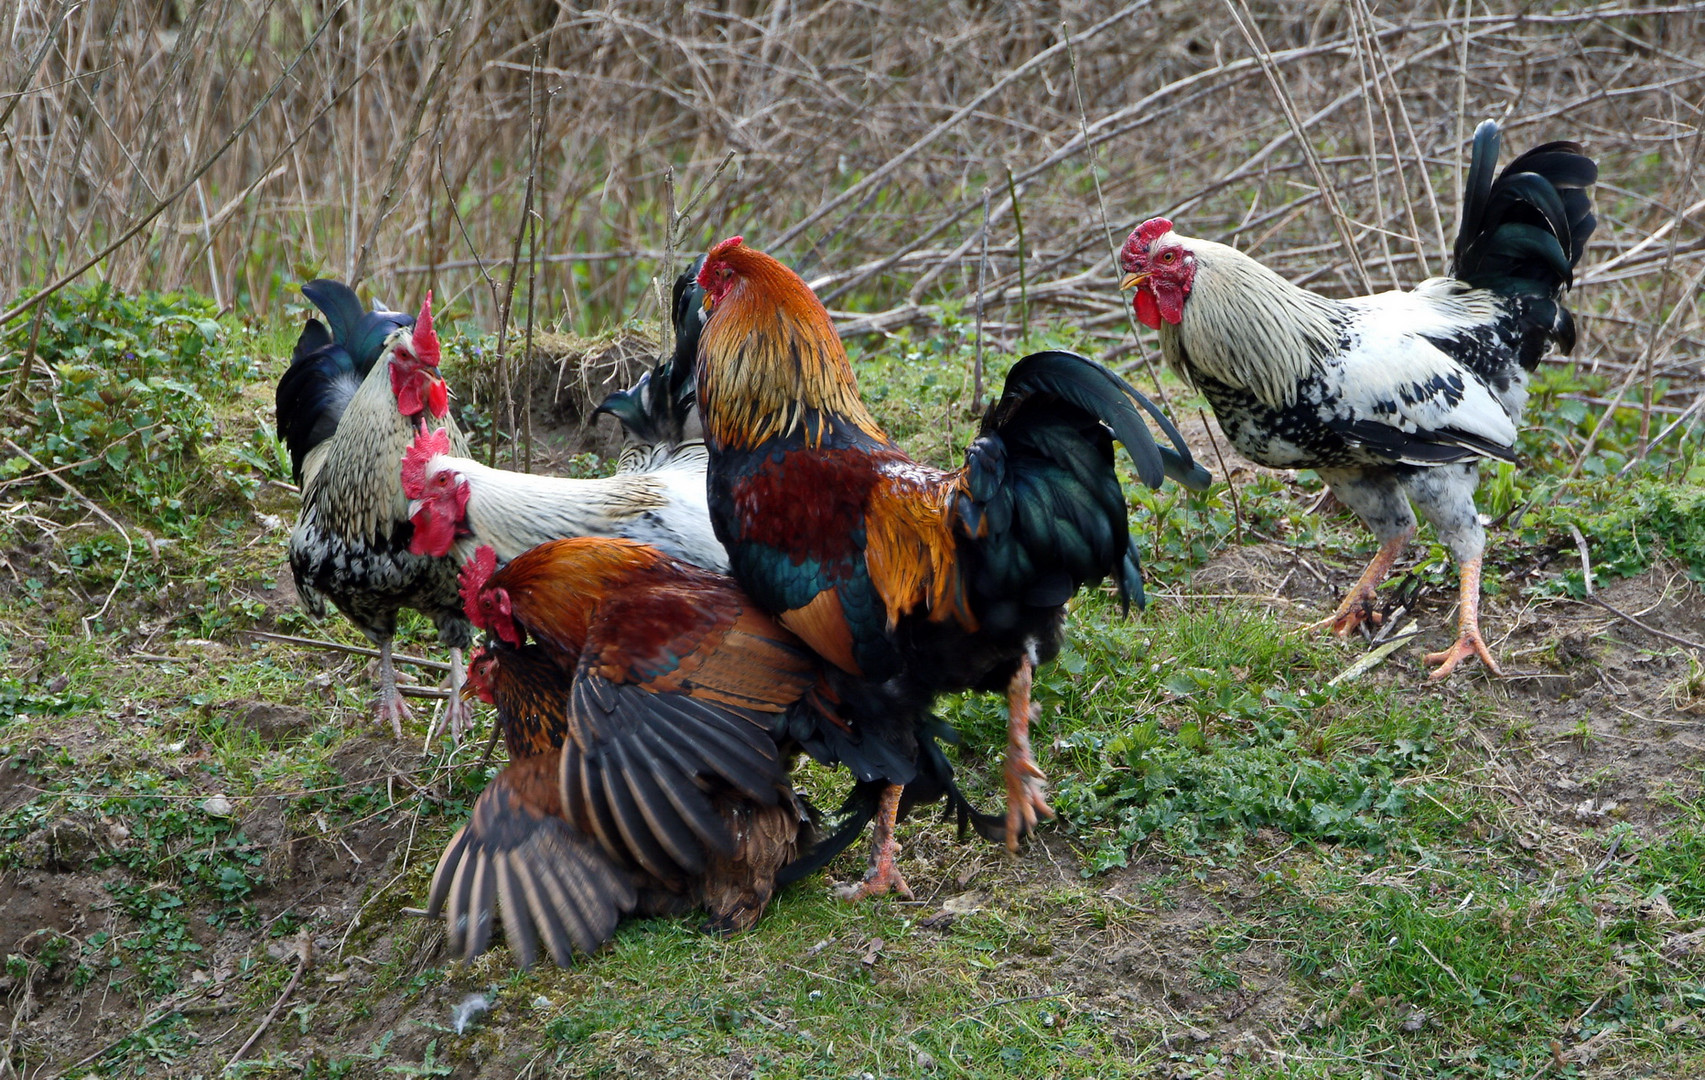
390 705
1468 641
883 876
458 714
1358 605
1025 782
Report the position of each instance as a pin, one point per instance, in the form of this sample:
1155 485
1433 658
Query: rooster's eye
1169 256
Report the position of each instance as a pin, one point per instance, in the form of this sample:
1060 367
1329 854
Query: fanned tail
1523 233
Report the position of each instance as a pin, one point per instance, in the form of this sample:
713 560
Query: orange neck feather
556 586
771 364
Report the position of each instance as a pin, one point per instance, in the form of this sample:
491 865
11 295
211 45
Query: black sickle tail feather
328 366
360 331
1091 387
313 392
656 408
1046 509
933 783
1523 233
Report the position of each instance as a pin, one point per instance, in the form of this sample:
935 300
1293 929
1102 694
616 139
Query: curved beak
1131 281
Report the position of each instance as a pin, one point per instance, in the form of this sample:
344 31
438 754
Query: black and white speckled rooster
1395 397
350 403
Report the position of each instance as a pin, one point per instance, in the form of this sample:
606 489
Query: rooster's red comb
715 255
1150 231
1135 252
425 340
426 446
473 576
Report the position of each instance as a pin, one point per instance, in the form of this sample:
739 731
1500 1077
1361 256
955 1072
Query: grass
1256 873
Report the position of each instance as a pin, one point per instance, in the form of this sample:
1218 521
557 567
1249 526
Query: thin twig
304 949
1231 488
857 190
356 650
1101 202
159 208
982 269
95 508
401 155
1018 225
1663 295
1252 34
1587 578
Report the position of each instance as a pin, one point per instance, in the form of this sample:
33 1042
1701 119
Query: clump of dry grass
533 157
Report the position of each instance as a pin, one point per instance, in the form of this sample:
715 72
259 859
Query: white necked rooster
1392 398
349 405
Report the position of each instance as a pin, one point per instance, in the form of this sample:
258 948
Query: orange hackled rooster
645 722
896 573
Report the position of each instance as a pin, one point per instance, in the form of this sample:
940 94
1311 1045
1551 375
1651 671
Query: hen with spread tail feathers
350 403
898 574
1393 398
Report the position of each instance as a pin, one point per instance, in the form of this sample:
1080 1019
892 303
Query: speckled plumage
350 545
1393 398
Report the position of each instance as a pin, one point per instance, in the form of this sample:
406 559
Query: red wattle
434 532
1148 309
408 398
1169 302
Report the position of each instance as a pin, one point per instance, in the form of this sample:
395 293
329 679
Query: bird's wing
1399 394
549 883
912 553
677 695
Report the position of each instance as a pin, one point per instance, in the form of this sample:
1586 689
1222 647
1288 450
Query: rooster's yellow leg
1468 640
391 706
883 876
1025 789
1357 607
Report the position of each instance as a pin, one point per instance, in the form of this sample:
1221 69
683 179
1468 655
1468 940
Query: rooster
895 573
657 496
457 504
646 705
1392 398
876 731
347 418
659 423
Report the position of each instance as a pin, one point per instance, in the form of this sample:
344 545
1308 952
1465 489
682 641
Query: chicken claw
1358 605
392 707
1468 639
458 715
1025 782
883 876
1470 643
